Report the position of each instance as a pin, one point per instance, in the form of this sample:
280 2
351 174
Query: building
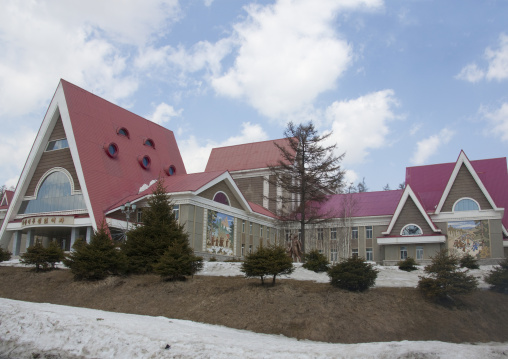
90 158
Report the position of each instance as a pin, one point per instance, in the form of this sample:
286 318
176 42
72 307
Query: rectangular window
261 231
243 226
250 248
333 233
320 234
243 249
354 232
355 253
288 235
250 228
176 211
57 145
300 235
368 232
403 252
368 254
333 255
419 252
140 216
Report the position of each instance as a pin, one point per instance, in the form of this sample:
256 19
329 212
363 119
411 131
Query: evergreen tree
387 187
146 244
96 260
5 255
36 255
498 277
445 279
408 265
316 261
177 262
353 274
54 254
468 261
271 260
362 186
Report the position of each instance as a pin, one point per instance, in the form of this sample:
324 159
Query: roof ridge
250 143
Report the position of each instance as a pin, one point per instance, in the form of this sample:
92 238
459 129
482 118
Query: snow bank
50 329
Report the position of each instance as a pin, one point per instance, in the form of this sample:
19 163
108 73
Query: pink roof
8 196
363 204
95 122
174 184
429 182
246 157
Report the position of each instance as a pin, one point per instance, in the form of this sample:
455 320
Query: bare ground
300 309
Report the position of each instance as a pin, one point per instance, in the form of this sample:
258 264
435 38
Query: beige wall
223 187
465 186
410 214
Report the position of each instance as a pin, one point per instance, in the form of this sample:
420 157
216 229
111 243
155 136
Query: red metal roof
247 156
8 197
261 210
95 122
362 204
429 182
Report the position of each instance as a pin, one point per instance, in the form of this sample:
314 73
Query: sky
398 83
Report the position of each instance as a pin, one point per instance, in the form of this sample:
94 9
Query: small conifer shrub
354 274
5 255
54 254
212 259
468 261
498 277
97 260
177 262
36 255
408 264
267 261
316 261
444 278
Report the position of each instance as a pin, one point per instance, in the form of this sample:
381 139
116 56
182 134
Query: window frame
419 249
353 231
411 235
369 229
469 199
403 252
369 254
56 141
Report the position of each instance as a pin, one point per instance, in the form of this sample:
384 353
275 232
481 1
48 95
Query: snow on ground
67 332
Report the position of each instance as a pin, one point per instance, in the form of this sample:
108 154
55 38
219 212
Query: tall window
261 231
176 211
354 232
355 252
368 232
403 252
320 234
250 228
333 255
140 215
419 252
333 233
368 254
243 249
243 226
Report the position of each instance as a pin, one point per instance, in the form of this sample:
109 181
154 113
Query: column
30 238
74 232
16 245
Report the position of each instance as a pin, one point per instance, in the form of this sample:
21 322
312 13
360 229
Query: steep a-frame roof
433 182
91 124
249 156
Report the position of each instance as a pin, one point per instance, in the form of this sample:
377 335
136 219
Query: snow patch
146 186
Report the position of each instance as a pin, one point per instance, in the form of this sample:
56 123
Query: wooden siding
465 186
252 188
58 131
223 187
410 214
59 158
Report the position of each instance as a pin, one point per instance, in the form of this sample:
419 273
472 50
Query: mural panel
220 233
469 237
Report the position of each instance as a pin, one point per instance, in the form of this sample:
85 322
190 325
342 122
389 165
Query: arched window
466 204
411 230
54 195
221 197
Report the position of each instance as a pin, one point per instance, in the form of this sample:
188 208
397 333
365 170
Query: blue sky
400 83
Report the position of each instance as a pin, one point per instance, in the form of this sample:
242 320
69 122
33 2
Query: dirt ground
300 309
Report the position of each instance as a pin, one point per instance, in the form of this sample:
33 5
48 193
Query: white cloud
498 120
497 64
164 113
429 146
350 177
288 54
361 124
196 153
415 128
14 150
471 73
208 2
83 42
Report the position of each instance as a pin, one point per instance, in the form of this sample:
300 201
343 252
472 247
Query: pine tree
177 262
54 254
35 255
146 244
444 278
353 274
96 260
271 260
5 255
498 277
316 261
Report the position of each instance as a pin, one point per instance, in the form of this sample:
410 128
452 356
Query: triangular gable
5 200
226 177
463 160
408 193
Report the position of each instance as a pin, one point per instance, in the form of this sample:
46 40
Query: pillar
17 243
74 232
30 238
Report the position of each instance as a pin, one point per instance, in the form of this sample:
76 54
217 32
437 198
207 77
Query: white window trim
460 199
216 193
